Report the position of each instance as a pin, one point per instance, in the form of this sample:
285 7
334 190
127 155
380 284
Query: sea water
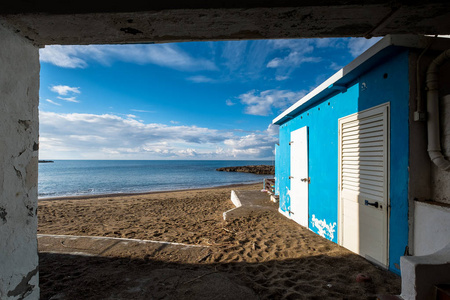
92 177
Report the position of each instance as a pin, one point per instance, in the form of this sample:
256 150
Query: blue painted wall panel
372 89
285 169
322 120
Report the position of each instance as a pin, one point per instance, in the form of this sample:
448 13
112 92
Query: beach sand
262 256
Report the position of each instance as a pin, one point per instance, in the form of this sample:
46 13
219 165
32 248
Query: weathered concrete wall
440 180
429 222
19 99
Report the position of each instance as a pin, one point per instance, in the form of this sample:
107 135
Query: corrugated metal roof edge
340 80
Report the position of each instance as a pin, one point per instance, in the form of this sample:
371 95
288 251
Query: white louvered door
363 183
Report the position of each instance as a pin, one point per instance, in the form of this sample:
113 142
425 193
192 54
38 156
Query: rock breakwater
259 169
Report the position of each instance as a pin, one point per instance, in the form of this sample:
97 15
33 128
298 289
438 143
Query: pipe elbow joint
439 160
432 81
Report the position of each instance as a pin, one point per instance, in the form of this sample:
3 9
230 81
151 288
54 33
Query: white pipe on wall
434 141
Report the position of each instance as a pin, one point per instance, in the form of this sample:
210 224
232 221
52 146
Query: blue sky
196 100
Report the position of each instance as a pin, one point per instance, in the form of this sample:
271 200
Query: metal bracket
420 116
290 143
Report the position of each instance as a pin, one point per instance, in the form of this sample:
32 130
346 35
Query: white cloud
335 43
115 132
95 136
274 63
69 99
62 56
188 152
257 144
359 45
356 46
293 59
166 55
324 42
263 103
241 60
335 66
200 79
53 102
294 44
142 110
281 77
234 54
63 90
300 51
229 102
293 54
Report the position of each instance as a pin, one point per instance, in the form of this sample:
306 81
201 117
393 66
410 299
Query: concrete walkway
120 277
110 246
247 202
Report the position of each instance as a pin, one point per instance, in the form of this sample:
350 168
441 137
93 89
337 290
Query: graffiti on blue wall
324 229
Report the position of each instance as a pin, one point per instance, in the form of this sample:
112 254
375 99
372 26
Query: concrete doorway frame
25 26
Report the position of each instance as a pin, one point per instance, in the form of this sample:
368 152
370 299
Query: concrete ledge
431 227
235 199
421 273
248 202
241 212
274 198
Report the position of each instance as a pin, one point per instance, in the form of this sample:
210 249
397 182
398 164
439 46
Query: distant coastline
257 169
45 161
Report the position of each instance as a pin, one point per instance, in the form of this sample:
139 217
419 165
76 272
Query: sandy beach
262 256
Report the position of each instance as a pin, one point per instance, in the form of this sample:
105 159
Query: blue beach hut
353 160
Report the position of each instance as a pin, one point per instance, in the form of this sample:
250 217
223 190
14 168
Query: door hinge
291 177
306 180
291 142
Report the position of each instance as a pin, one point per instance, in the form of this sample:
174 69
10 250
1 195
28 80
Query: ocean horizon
63 178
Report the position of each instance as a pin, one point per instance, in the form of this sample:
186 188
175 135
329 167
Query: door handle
374 204
308 180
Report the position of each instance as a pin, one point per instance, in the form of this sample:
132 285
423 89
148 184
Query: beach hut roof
386 47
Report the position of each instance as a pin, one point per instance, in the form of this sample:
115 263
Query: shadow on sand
64 276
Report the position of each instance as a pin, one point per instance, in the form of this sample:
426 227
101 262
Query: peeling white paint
288 192
287 207
324 230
